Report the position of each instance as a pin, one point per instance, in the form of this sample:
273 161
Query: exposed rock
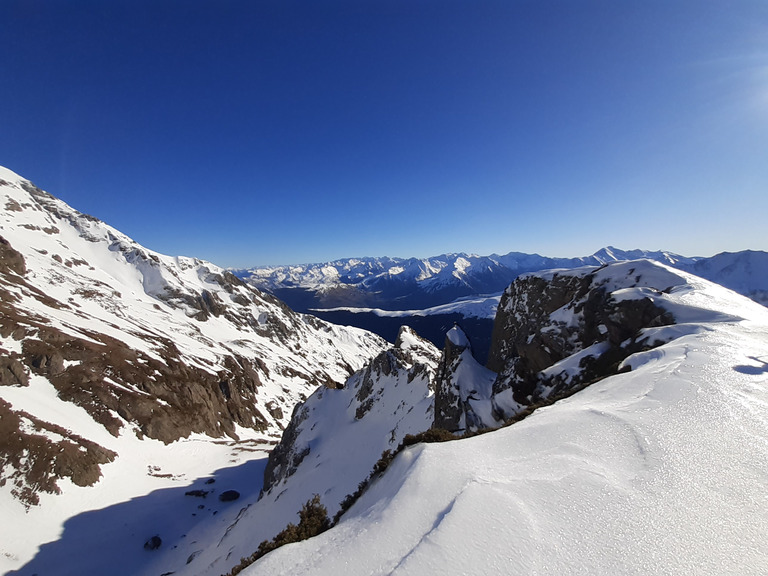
197 493
285 458
462 387
449 408
35 454
545 319
229 496
153 543
10 259
12 372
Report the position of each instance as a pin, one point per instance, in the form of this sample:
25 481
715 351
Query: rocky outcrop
10 259
377 406
557 331
12 372
36 454
462 387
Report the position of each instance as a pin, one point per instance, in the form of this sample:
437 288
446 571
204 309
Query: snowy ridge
138 360
336 430
652 471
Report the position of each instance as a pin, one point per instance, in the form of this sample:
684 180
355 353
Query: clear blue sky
275 132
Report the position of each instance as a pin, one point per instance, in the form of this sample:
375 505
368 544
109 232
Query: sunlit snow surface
662 470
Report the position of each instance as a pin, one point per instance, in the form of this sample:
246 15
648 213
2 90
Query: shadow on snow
753 370
111 540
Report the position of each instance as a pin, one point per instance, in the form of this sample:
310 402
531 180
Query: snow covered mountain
412 283
118 365
744 272
137 391
637 340
652 463
331 445
430 295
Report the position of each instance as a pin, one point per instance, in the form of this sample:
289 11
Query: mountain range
413 284
159 415
432 294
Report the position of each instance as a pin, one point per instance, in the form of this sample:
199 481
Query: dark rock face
153 543
167 399
449 407
229 496
10 259
35 454
544 320
284 458
12 373
462 387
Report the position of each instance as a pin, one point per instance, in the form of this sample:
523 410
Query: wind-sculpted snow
107 347
658 469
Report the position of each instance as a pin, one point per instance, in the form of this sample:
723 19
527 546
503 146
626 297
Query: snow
480 306
466 272
661 470
102 530
457 337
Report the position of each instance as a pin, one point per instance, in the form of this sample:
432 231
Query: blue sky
277 132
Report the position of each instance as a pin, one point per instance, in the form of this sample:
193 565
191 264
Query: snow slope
164 370
659 470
